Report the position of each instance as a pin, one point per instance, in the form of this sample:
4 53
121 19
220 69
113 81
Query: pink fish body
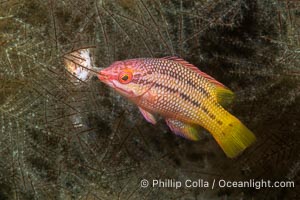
185 96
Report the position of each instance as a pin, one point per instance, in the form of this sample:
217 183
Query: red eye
125 77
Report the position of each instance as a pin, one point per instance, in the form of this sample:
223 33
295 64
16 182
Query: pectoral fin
148 116
182 129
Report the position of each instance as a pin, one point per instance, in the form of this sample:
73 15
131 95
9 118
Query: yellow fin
188 131
234 137
224 95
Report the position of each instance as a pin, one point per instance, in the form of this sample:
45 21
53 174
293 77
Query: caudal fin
234 138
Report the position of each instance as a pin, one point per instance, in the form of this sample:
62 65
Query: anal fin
148 116
182 129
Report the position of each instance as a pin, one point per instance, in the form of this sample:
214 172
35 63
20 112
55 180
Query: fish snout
103 76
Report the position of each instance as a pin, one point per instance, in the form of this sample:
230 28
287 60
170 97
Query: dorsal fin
224 96
195 69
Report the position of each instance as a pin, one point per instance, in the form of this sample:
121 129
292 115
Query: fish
184 96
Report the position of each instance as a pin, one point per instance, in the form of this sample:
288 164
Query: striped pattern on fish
185 96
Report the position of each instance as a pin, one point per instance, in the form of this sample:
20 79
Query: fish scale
185 96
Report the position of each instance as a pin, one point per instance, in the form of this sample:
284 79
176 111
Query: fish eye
125 77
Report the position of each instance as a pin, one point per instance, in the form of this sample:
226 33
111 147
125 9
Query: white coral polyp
78 63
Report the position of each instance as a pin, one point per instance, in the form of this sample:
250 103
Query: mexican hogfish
184 96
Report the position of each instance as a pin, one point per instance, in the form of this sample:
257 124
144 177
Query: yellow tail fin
234 137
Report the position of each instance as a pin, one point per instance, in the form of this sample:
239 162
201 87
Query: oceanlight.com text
220 183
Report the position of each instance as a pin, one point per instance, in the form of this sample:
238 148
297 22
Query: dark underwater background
61 140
